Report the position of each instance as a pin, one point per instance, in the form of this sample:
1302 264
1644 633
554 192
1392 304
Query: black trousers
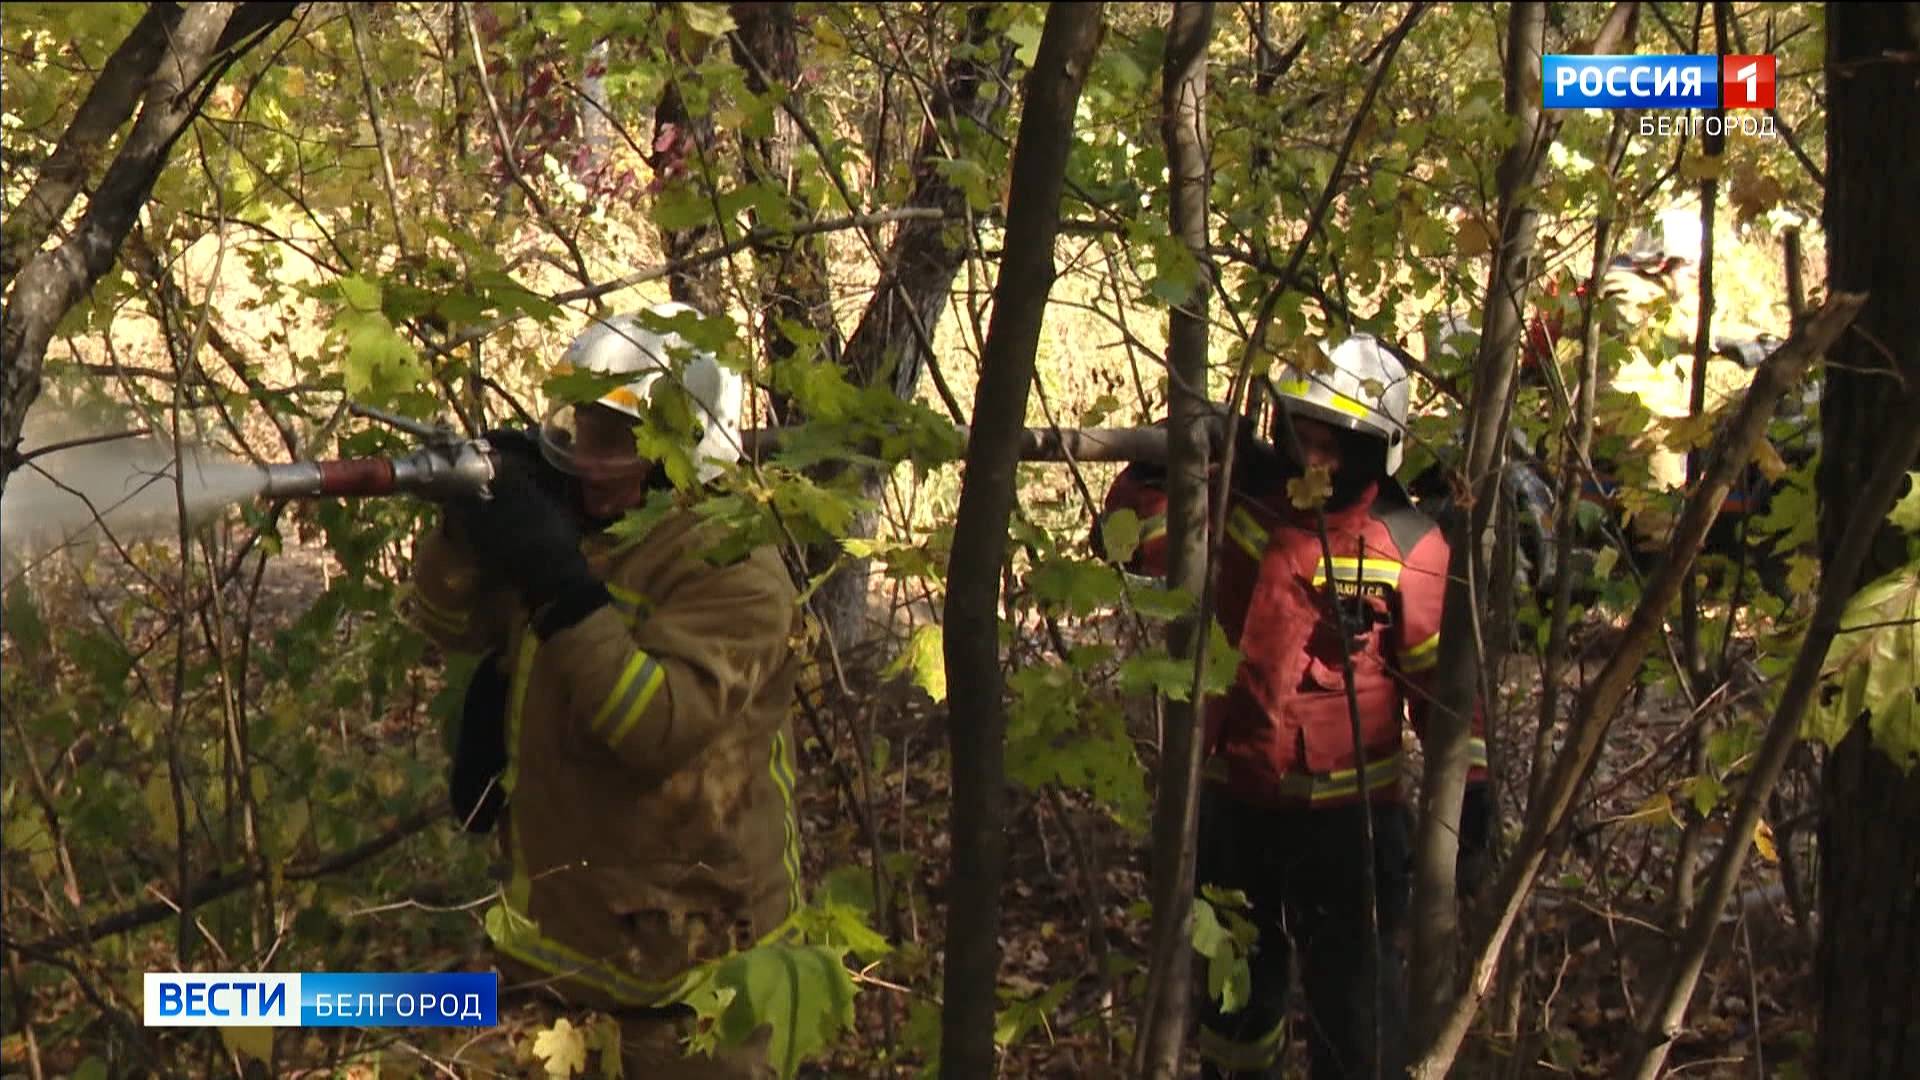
1304 873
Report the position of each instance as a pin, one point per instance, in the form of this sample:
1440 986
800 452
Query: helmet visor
592 441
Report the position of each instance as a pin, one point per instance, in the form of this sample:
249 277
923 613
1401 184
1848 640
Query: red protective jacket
1283 735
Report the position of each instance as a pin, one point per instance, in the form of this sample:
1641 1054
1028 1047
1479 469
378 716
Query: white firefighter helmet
658 360
1365 390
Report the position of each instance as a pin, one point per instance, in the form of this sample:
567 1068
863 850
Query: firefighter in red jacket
1281 811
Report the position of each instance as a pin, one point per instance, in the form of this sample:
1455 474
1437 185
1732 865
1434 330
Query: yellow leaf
253 1042
1771 466
827 34
1471 238
1603 562
1652 812
1311 490
1763 842
296 82
1802 572
564 1049
1753 192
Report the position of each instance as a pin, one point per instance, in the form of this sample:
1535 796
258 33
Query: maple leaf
563 1048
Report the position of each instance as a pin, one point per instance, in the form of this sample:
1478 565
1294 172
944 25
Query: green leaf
677 207
380 365
1869 669
709 19
1156 672
1706 793
1226 943
1025 34
925 657
1906 512
359 293
1158 602
1014 1022
1120 534
1082 585
23 623
802 992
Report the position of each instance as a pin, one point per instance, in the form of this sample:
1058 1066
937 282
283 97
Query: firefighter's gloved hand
523 445
1476 834
528 538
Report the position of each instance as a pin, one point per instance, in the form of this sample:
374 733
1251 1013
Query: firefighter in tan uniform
626 731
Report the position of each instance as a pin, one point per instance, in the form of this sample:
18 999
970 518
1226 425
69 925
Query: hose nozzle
439 472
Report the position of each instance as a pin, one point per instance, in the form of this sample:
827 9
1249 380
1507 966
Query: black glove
523 445
1476 834
528 539
480 750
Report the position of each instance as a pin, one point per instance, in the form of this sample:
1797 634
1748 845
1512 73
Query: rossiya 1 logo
1657 82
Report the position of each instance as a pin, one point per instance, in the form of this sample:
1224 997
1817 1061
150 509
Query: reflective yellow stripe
635 606
1247 533
1421 656
519 886
1344 783
1477 751
517 703
635 688
781 769
1241 1056
1347 568
1301 388
520 937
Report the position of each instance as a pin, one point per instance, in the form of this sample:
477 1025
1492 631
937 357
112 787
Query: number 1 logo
1746 82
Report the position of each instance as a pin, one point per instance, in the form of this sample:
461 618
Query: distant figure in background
1282 811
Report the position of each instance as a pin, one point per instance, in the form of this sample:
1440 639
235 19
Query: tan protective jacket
650 822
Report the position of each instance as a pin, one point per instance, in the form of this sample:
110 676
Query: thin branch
211 889
512 162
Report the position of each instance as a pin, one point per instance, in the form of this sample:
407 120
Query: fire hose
448 466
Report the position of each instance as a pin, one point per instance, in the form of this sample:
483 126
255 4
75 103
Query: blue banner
1629 82
399 999
321 999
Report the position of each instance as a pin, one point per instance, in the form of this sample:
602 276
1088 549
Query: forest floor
1077 882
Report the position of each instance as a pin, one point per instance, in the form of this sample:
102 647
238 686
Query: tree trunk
1870 851
915 286
1435 912
679 157
205 39
793 274
976 723
1449 727
1183 127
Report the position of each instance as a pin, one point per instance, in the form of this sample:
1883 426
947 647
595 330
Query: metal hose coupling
440 472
